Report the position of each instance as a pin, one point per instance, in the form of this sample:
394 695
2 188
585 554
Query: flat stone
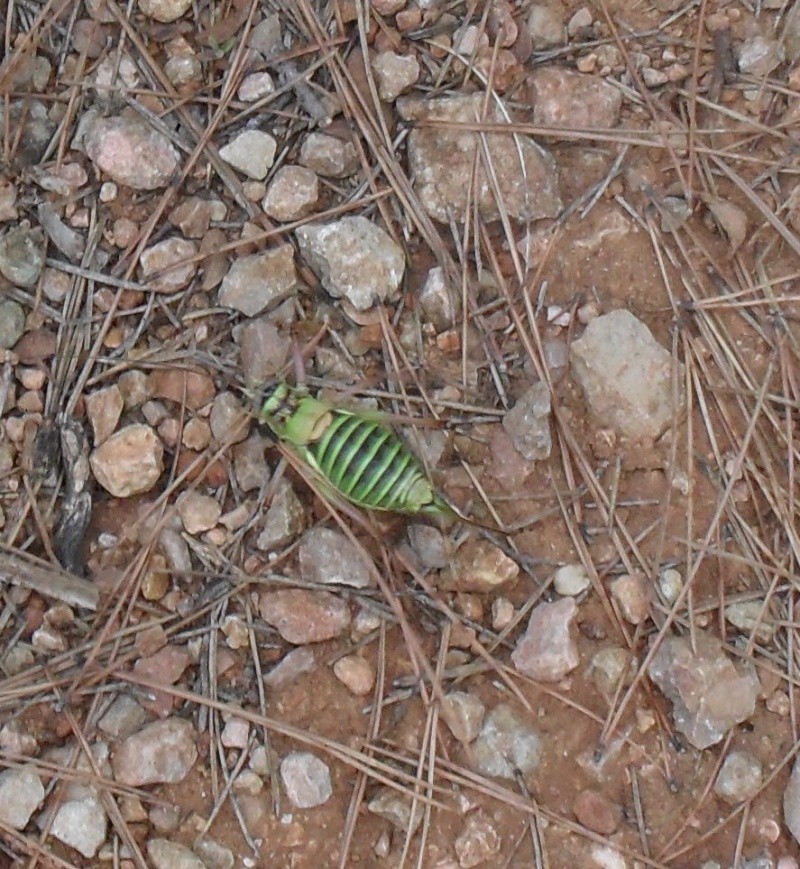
546 651
463 713
739 779
81 823
161 752
252 152
441 161
260 281
292 193
328 156
506 745
353 258
307 779
571 580
330 558
170 255
528 423
596 812
356 673
572 99
394 73
304 616
131 152
625 375
104 408
129 462
22 256
285 519
12 323
633 593
21 793
171 855
479 566
478 842
708 693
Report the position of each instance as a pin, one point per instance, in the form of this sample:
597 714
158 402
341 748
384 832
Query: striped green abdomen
371 466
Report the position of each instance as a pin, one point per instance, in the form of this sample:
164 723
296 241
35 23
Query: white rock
528 423
353 258
163 751
81 823
328 557
506 745
256 86
252 152
165 10
463 713
571 580
21 793
739 778
307 779
171 855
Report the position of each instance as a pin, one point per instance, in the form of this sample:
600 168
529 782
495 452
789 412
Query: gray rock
571 580
442 159
327 556
171 855
506 745
394 73
214 855
291 667
429 545
758 56
163 751
171 255
463 713
791 802
250 464
229 420
328 155
81 823
256 86
749 616
260 281
739 778
307 779
123 717
547 651
22 256
709 695
625 375
37 129
252 152
396 809
284 520
354 259
528 423
12 323
546 24
439 302
21 793
478 842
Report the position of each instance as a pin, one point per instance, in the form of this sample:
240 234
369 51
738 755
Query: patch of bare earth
558 244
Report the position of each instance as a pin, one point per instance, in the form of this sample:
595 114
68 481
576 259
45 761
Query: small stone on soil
708 693
596 812
547 651
171 855
394 73
290 667
528 423
395 808
252 152
21 793
480 566
463 713
259 281
632 594
129 462
12 323
307 779
506 745
167 263
739 779
571 580
328 557
304 616
478 842
353 258
284 520
328 155
356 673
163 751
81 823
292 193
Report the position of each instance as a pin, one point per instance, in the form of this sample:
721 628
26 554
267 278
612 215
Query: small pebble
571 580
252 152
463 713
307 779
356 673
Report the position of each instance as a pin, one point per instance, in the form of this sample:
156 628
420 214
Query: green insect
353 453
